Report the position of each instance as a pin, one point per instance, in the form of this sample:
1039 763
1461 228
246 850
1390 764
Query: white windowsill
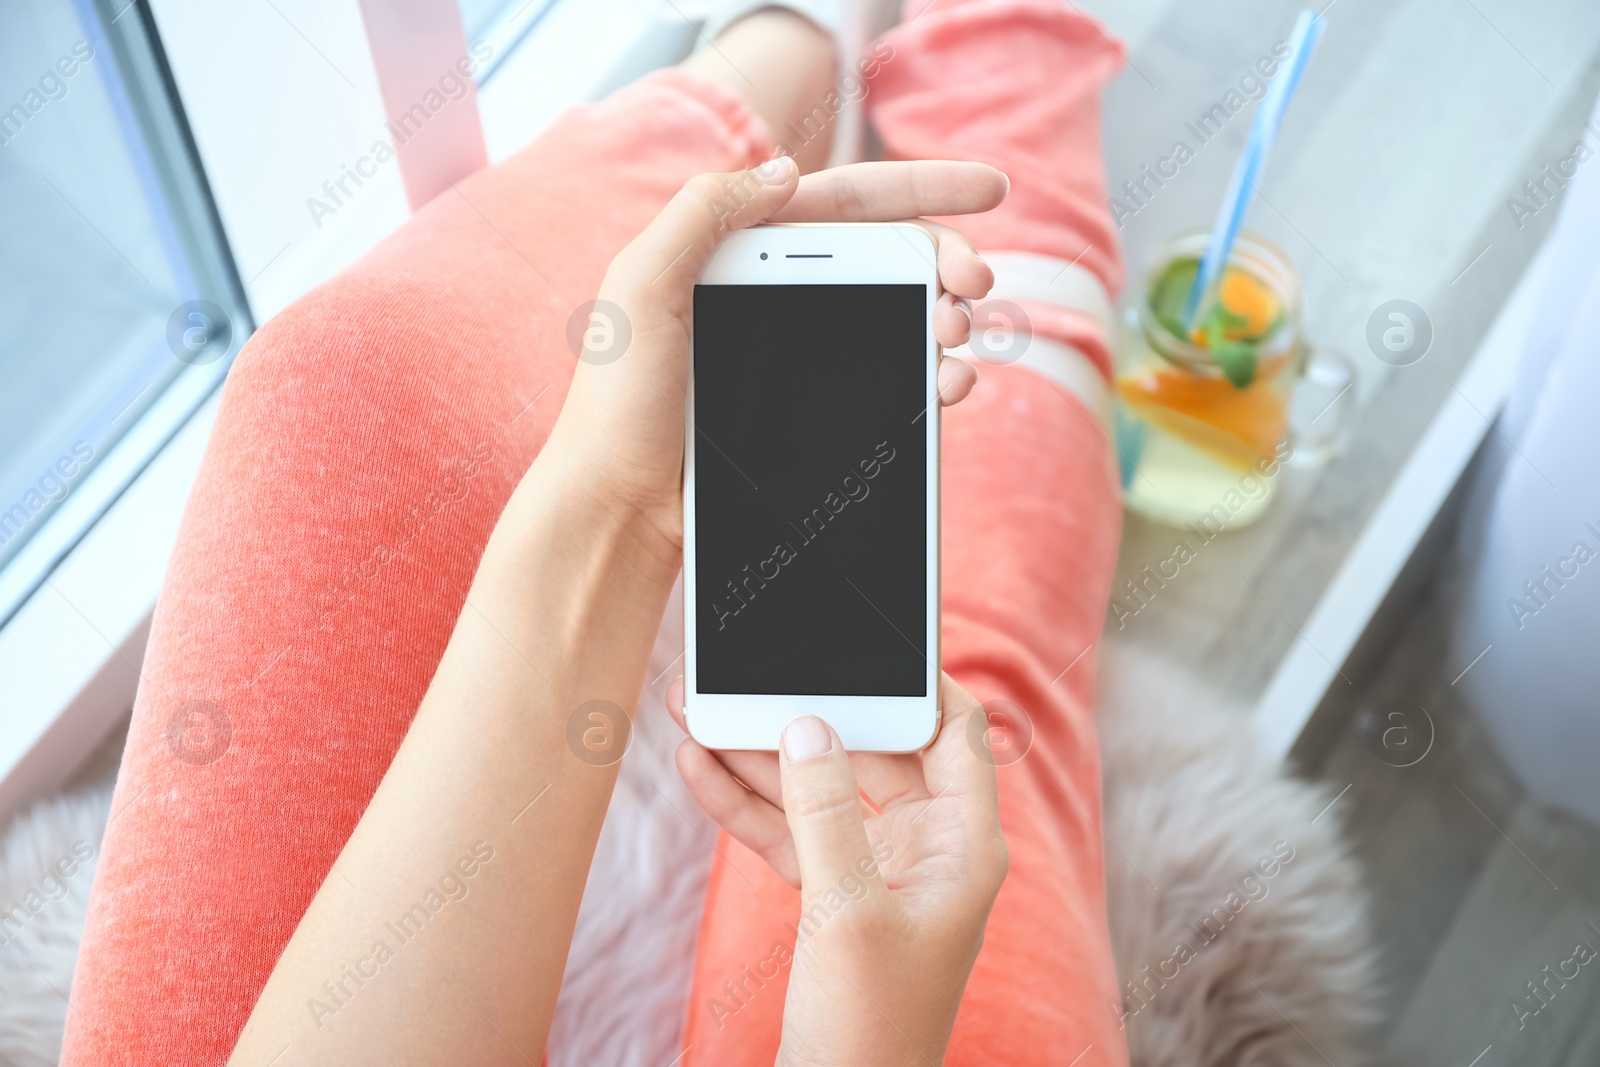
71 652
1395 529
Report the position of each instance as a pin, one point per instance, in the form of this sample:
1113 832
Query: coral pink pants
369 437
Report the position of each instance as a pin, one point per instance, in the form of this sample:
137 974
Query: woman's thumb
823 805
674 248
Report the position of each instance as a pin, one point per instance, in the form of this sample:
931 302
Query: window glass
505 24
112 279
476 15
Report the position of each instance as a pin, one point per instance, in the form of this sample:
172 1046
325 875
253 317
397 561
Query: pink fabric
1015 84
368 438
1030 529
370 435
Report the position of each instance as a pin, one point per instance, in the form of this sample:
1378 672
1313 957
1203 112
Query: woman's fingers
961 270
957 774
885 779
953 765
672 250
887 192
675 703
757 770
888 780
677 244
956 379
952 320
822 804
750 820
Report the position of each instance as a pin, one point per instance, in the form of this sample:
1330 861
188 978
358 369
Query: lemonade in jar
1203 411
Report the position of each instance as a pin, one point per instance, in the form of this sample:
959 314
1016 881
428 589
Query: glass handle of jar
1322 412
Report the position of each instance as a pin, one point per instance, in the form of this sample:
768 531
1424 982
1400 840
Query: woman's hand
560 618
894 896
620 432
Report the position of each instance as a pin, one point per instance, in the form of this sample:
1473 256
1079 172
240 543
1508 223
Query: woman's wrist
578 571
595 516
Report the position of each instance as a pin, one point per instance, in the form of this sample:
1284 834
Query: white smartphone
811 489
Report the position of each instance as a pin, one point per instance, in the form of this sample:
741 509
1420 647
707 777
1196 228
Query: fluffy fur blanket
1237 916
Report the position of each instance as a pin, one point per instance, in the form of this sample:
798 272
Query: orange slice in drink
1237 426
1247 298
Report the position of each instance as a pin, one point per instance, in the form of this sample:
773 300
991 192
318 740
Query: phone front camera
763 255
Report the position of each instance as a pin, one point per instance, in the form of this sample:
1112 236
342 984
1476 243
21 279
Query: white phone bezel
857 254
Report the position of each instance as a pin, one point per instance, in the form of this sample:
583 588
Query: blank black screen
811 489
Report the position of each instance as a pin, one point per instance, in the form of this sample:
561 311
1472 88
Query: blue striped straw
1263 131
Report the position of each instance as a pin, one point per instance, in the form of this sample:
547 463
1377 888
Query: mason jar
1199 445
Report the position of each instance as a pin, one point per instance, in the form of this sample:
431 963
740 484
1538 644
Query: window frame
73 644
162 149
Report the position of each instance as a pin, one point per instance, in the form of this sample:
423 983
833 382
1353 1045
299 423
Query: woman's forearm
442 932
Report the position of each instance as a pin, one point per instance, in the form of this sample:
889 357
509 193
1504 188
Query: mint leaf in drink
1237 359
1238 362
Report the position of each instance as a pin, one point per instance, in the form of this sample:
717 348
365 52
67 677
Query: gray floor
1415 123
1475 888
